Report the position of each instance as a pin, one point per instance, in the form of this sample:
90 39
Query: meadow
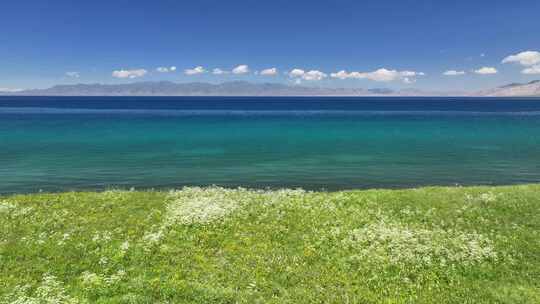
216 245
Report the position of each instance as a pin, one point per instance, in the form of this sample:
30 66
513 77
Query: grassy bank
428 245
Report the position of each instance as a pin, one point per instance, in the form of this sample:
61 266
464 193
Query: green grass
427 245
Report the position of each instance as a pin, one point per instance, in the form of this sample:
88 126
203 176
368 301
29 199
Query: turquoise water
57 144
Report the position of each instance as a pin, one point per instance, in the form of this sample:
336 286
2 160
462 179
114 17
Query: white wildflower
124 246
102 237
103 261
115 278
42 238
487 197
7 207
65 237
90 279
153 238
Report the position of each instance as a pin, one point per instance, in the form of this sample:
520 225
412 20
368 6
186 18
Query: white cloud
129 73
526 58
383 74
408 80
296 73
218 71
409 73
73 74
486 71
313 75
269 72
391 75
241 69
166 69
454 73
341 75
195 71
535 69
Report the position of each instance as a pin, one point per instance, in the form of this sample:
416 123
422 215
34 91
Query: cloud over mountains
195 71
486 71
381 74
453 73
129 73
529 59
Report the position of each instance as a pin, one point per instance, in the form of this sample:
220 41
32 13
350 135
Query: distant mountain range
242 88
167 88
514 89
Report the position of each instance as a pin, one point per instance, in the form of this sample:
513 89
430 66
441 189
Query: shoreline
168 188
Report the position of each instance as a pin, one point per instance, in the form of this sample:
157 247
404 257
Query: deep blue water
68 143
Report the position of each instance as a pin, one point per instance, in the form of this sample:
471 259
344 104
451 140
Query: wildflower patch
6 207
9 209
201 206
398 244
49 291
92 281
487 197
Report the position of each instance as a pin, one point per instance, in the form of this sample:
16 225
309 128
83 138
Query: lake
75 143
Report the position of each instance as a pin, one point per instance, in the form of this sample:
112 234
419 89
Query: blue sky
395 44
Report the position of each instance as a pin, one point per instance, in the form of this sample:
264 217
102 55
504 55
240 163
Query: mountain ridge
529 89
244 88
